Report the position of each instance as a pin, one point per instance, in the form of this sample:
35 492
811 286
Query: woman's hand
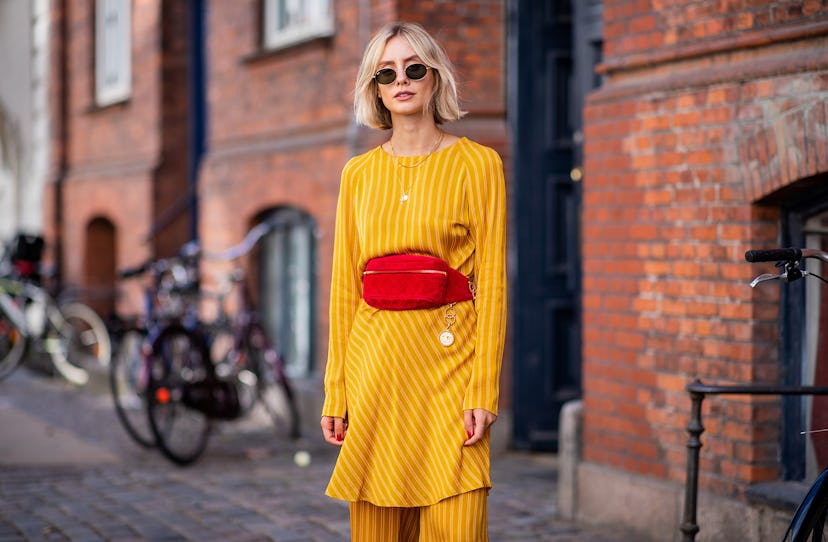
334 429
476 422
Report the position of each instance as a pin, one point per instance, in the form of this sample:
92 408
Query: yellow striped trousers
461 518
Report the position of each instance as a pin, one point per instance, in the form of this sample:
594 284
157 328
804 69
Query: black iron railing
698 392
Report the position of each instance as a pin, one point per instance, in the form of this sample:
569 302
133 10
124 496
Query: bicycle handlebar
130 272
785 254
787 259
187 255
256 232
773 255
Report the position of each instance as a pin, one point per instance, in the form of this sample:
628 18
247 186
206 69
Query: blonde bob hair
443 105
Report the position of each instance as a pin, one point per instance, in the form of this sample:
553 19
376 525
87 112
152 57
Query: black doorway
554 46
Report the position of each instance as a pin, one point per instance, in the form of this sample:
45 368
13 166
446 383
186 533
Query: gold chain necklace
405 190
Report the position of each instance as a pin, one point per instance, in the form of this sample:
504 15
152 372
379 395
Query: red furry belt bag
406 281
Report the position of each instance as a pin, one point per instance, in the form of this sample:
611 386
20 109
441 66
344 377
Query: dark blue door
552 57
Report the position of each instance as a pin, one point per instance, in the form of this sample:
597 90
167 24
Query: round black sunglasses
415 72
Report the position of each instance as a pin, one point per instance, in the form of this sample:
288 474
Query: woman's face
404 96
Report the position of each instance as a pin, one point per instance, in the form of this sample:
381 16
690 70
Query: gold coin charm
446 338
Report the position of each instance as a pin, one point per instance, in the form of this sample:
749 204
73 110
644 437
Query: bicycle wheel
272 386
84 343
808 523
178 364
128 378
12 345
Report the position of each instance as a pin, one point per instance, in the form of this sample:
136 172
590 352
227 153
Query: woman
411 390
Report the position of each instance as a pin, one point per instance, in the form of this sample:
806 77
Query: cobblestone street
69 472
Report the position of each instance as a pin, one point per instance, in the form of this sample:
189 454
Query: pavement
69 472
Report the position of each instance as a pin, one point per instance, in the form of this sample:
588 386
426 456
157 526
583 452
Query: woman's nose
402 78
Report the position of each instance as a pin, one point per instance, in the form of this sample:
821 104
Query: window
287 22
815 360
113 51
287 287
804 350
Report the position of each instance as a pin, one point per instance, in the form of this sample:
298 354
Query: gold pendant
404 198
446 338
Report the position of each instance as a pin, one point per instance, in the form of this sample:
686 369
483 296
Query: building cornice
744 40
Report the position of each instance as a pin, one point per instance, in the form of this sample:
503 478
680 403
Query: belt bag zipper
393 272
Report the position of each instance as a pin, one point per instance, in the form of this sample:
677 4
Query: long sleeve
346 291
487 201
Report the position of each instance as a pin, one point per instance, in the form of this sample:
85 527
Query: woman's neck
414 138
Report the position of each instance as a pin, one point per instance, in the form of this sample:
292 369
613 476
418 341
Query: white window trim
108 93
318 28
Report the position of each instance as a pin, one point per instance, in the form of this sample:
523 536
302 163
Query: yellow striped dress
402 391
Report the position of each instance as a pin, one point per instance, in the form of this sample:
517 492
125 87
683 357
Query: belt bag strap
459 287
408 281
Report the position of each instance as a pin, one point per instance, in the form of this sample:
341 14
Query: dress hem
410 505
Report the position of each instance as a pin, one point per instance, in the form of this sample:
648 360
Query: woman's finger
481 420
468 423
339 429
329 430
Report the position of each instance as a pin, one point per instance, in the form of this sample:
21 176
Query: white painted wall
24 114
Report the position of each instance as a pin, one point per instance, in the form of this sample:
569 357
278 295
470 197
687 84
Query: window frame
109 93
798 203
281 311
273 38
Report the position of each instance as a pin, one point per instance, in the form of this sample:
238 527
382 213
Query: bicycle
167 299
809 520
191 381
251 344
32 320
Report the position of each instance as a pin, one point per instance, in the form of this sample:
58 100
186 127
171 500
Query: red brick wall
255 94
473 35
680 144
278 128
125 163
119 133
110 152
641 26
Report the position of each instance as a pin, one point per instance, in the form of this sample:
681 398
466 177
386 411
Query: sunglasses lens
385 76
416 71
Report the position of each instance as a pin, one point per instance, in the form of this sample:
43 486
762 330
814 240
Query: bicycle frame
35 312
11 308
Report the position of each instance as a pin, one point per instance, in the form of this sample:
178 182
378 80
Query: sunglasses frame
408 75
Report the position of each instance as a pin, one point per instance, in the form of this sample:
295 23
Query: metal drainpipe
198 105
363 27
63 142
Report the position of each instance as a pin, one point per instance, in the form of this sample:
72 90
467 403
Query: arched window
287 286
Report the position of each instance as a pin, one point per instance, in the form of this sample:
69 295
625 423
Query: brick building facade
276 129
117 169
707 138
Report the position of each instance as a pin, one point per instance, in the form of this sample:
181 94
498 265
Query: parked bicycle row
176 374
36 321
173 373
